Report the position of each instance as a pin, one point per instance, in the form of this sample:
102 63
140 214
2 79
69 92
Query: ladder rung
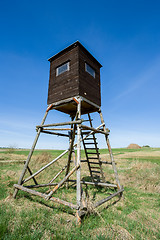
95 171
93 153
90 143
93 158
84 161
88 139
97 163
92 148
106 162
95 167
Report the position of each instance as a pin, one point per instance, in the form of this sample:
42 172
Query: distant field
135 216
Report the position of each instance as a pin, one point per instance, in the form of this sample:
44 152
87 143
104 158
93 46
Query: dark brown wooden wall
76 81
89 86
66 84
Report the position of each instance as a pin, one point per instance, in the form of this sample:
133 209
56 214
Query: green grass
136 215
147 159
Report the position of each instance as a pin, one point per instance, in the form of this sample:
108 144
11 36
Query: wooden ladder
92 155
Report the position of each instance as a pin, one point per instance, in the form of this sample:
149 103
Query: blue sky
124 36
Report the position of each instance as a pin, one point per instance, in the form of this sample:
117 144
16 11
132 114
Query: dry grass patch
11 158
121 233
44 157
139 154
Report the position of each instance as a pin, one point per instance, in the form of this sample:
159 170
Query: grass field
135 216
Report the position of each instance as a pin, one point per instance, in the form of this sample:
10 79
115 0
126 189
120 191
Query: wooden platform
69 106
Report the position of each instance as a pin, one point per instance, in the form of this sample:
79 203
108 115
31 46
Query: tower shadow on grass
53 207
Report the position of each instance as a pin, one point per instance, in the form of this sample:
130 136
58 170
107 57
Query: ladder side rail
87 160
98 155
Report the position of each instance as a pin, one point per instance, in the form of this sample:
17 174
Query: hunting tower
75 89
74 72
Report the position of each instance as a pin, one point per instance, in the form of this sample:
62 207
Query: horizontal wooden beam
58 129
62 154
61 124
41 185
57 134
43 195
96 183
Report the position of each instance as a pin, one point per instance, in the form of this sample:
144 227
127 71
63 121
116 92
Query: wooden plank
43 195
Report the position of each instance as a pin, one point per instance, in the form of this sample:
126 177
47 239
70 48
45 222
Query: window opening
63 68
90 70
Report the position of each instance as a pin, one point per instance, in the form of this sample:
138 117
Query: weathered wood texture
77 81
30 155
110 152
60 87
89 87
119 192
43 195
95 183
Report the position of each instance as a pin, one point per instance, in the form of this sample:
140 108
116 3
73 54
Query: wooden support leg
79 160
29 156
110 151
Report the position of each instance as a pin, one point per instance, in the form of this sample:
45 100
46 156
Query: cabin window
63 68
90 70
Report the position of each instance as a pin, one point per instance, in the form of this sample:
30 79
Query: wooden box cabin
74 72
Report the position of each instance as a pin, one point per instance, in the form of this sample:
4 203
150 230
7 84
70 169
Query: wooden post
79 162
71 142
110 151
29 156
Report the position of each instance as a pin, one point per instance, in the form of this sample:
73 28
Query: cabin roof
77 43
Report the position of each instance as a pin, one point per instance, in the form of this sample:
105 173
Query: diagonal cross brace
62 182
61 155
